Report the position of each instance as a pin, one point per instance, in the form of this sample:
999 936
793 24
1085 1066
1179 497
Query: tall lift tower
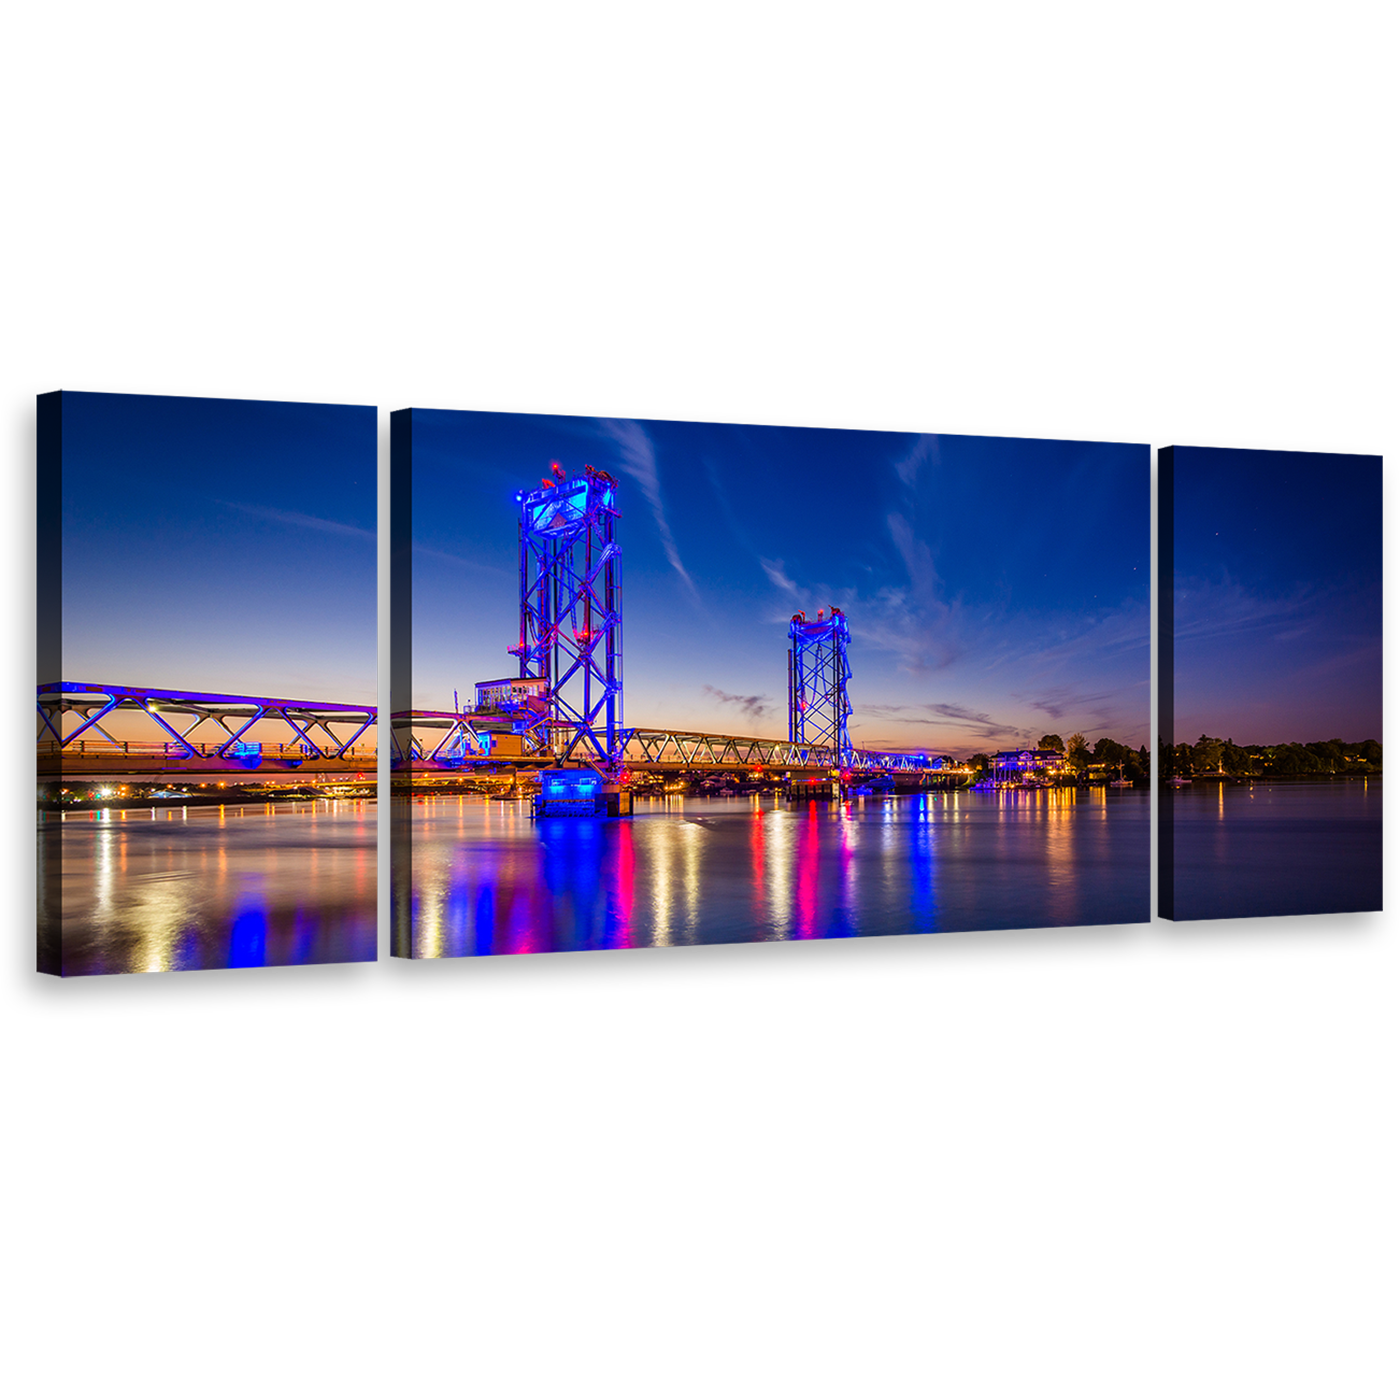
818 707
571 615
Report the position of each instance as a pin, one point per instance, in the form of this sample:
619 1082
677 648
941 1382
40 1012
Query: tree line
1212 757
1322 756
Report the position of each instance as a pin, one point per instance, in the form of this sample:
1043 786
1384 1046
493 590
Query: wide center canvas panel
665 683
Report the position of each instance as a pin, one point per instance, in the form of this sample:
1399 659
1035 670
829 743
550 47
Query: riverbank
225 797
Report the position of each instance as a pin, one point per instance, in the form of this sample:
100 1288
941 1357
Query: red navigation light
557 470
811 780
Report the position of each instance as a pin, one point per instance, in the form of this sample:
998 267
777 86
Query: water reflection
1242 850
482 878
161 889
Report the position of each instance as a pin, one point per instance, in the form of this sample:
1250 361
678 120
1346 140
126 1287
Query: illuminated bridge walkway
195 732
443 741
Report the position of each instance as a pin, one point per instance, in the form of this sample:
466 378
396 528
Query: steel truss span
446 741
456 738
571 615
670 746
308 729
818 706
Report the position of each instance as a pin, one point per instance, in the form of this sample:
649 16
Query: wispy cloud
638 460
976 724
754 706
1057 641
1103 706
923 636
918 561
777 576
298 521
914 621
726 509
924 454
1222 607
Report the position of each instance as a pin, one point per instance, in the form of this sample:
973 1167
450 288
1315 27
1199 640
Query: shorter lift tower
571 615
818 707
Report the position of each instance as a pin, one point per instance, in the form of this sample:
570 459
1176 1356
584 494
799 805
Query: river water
203 887
487 879
1245 849
263 885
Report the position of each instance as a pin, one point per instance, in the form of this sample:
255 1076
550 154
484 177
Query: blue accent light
570 792
571 619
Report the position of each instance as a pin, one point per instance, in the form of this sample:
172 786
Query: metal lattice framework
818 707
309 725
571 614
461 746
458 741
668 746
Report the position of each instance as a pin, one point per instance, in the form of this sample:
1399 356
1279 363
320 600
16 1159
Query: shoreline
241 799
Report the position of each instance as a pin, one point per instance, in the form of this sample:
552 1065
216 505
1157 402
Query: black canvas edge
1166 717
1060 956
400 674
48 658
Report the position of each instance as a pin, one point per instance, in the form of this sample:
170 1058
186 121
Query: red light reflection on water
526 920
549 887
808 873
618 931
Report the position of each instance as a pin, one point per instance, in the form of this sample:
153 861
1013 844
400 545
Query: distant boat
1121 782
1179 782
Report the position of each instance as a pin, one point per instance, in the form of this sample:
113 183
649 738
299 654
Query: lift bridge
565 707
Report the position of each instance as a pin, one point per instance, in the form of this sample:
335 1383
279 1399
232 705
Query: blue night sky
1277 575
996 588
220 544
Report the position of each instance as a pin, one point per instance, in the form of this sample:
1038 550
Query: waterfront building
1029 765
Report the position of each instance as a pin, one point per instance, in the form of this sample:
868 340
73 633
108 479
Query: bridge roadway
121 759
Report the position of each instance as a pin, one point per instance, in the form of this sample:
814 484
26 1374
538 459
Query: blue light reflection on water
485 918
177 889
247 938
488 880
923 903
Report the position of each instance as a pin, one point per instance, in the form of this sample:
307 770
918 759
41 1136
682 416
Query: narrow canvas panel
206 683
1269 682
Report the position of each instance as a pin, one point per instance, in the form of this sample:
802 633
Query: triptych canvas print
663 683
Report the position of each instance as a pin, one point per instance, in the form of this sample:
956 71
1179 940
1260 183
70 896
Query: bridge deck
432 741
102 758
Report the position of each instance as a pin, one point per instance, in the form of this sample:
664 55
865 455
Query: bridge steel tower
571 615
818 708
